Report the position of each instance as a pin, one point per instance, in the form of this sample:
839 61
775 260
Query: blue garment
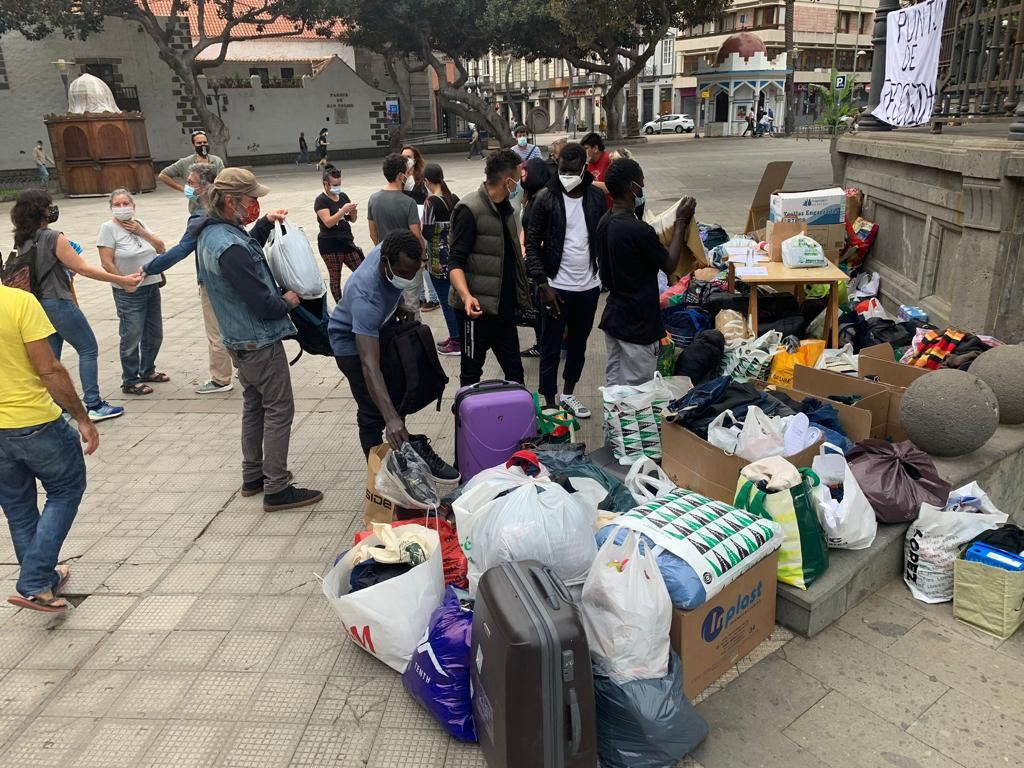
443 286
141 330
72 327
368 302
185 247
240 327
52 454
684 586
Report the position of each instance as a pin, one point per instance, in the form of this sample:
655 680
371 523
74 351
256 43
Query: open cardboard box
774 176
878 363
874 397
696 464
712 638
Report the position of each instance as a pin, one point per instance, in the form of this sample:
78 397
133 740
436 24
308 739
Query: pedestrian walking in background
751 126
335 214
303 157
126 246
437 214
197 186
37 445
55 260
253 318
174 174
474 143
42 160
321 148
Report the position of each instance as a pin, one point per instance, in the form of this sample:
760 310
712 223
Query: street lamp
62 67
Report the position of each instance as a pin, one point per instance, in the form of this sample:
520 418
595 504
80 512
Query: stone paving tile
117 744
307 653
971 732
940 615
87 576
408 748
405 713
293 579
286 698
261 746
212 548
326 745
101 612
188 578
220 696
214 612
241 578
271 612
261 549
1014 645
244 651
154 695
890 688
50 742
9 725
354 661
878 622
16 642
186 745
115 549
62 649
125 650
186 649
89 693
132 579
348 702
844 734
464 756
982 673
22 690
160 612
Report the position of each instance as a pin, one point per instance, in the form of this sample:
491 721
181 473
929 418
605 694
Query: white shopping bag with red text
388 619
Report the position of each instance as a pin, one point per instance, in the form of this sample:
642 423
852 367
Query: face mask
638 199
570 181
53 214
202 150
189 191
336 190
521 141
515 191
123 214
399 282
252 212
410 182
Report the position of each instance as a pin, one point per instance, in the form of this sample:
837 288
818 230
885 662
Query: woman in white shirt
125 247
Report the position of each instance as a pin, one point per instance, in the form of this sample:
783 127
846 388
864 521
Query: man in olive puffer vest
487 270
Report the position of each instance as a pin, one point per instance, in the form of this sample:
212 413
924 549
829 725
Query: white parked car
677 123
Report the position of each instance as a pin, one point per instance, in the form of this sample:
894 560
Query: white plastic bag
632 416
760 437
292 262
388 619
875 310
627 612
537 520
935 538
646 481
850 523
724 431
802 251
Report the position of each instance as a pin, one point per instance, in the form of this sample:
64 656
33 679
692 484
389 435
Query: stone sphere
1002 368
949 413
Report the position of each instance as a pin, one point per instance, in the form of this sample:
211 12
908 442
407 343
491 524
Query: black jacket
545 235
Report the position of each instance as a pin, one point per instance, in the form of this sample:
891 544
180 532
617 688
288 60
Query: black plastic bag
896 479
563 460
646 723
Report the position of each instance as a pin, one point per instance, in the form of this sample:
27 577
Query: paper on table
741 258
751 271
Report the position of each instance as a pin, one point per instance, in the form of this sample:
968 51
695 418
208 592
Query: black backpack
411 367
21 271
310 319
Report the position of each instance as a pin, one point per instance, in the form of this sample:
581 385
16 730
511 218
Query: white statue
90 94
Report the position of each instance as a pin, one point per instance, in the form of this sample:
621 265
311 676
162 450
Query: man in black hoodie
560 257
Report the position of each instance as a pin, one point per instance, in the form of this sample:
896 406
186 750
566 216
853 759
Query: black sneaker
251 489
290 498
438 468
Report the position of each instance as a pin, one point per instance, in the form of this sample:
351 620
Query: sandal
157 378
65 573
36 603
137 389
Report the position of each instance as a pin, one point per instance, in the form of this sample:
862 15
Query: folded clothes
702 404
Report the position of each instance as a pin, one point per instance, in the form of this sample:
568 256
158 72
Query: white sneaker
573 404
212 387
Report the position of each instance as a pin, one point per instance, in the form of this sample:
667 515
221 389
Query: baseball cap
239 181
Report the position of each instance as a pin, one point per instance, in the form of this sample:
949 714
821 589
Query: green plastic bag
556 424
774 489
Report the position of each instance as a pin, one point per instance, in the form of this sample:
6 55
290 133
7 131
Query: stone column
869 122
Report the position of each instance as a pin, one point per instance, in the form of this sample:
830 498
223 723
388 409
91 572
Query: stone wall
950 212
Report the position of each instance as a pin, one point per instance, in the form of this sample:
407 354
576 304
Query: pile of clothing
951 348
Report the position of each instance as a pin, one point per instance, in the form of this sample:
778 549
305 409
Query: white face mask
123 214
336 190
570 181
410 182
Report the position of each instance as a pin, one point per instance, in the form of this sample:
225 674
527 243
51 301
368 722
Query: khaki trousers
220 360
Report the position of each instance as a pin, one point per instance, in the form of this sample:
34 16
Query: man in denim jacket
253 317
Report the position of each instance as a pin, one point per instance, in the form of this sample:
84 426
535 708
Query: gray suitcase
532 680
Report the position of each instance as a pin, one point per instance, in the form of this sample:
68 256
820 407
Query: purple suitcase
490 419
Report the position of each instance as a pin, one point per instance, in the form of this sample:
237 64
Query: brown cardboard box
712 638
774 176
778 231
696 464
831 237
878 363
822 384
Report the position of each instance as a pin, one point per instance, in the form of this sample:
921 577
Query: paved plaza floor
201 637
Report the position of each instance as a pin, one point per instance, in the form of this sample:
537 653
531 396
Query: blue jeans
443 286
142 332
44 175
72 327
426 292
52 454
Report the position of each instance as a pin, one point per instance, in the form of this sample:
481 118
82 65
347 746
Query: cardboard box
817 207
831 237
711 639
878 363
774 176
874 397
696 464
987 598
778 231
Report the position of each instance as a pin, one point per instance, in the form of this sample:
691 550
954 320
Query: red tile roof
214 23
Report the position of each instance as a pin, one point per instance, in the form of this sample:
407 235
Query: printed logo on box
718 618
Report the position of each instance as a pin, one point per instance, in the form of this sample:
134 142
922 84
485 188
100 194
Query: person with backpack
370 301
437 215
42 264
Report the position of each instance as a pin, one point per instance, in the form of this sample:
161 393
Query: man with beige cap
253 316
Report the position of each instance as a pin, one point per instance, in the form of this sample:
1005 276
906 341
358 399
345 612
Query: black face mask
53 214
202 150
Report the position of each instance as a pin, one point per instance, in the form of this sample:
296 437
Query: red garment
452 556
598 170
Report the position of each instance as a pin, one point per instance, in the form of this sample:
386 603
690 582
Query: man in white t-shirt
560 257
